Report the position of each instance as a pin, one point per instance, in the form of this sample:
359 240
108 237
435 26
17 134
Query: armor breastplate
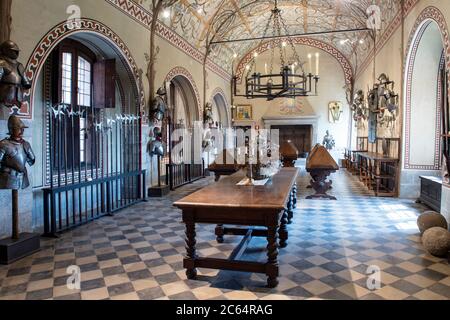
156 148
13 159
158 108
11 84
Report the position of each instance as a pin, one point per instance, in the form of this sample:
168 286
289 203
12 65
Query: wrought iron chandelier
291 81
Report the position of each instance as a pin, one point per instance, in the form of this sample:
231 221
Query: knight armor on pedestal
15 153
328 141
159 106
12 76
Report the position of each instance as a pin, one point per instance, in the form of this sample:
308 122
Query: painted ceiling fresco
203 21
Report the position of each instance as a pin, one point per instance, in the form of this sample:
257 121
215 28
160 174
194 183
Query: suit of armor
12 76
208 114
15 153
158 106
14 156
328 141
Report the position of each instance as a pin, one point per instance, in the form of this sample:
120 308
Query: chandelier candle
310 63
287 82
317 63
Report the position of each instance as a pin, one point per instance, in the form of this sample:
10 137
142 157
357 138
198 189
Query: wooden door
300 135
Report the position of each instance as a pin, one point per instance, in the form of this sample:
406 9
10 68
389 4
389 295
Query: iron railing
179 175
72 205
94 165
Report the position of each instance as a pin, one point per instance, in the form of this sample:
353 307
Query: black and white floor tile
137 254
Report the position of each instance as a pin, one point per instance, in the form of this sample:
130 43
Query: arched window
73 97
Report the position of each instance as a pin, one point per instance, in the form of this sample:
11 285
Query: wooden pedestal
13 250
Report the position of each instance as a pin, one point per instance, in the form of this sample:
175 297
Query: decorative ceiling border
339 56
387 34
181 71
144 17
425 18
64 30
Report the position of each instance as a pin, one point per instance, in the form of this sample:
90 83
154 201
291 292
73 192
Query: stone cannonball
431 219
437 241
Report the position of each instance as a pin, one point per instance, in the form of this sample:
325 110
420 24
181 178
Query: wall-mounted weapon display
360 109
388 102
383 106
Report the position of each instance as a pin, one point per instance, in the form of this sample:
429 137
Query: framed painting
244 113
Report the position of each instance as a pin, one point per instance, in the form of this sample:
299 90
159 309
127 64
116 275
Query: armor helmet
8 46
161 91
14 122
383 78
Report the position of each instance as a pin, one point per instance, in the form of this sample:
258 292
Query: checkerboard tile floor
137 254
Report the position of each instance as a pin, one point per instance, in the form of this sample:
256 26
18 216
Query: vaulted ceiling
203 21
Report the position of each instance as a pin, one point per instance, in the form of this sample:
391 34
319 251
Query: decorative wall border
339 56
219 91
144 17
64 30
427 16
180 71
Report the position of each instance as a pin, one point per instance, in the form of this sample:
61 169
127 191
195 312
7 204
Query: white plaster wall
424 88
390 60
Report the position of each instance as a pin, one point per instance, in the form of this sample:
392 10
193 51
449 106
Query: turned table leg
220 232
290 210
294 191
283 230
191 271
272 255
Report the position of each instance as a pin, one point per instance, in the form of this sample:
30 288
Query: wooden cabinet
431 192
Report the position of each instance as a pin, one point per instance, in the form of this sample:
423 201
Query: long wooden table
225 203
375 166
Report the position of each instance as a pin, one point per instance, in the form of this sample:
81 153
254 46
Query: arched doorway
424 100
183 102
184 113
85 103
183 161
220 114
